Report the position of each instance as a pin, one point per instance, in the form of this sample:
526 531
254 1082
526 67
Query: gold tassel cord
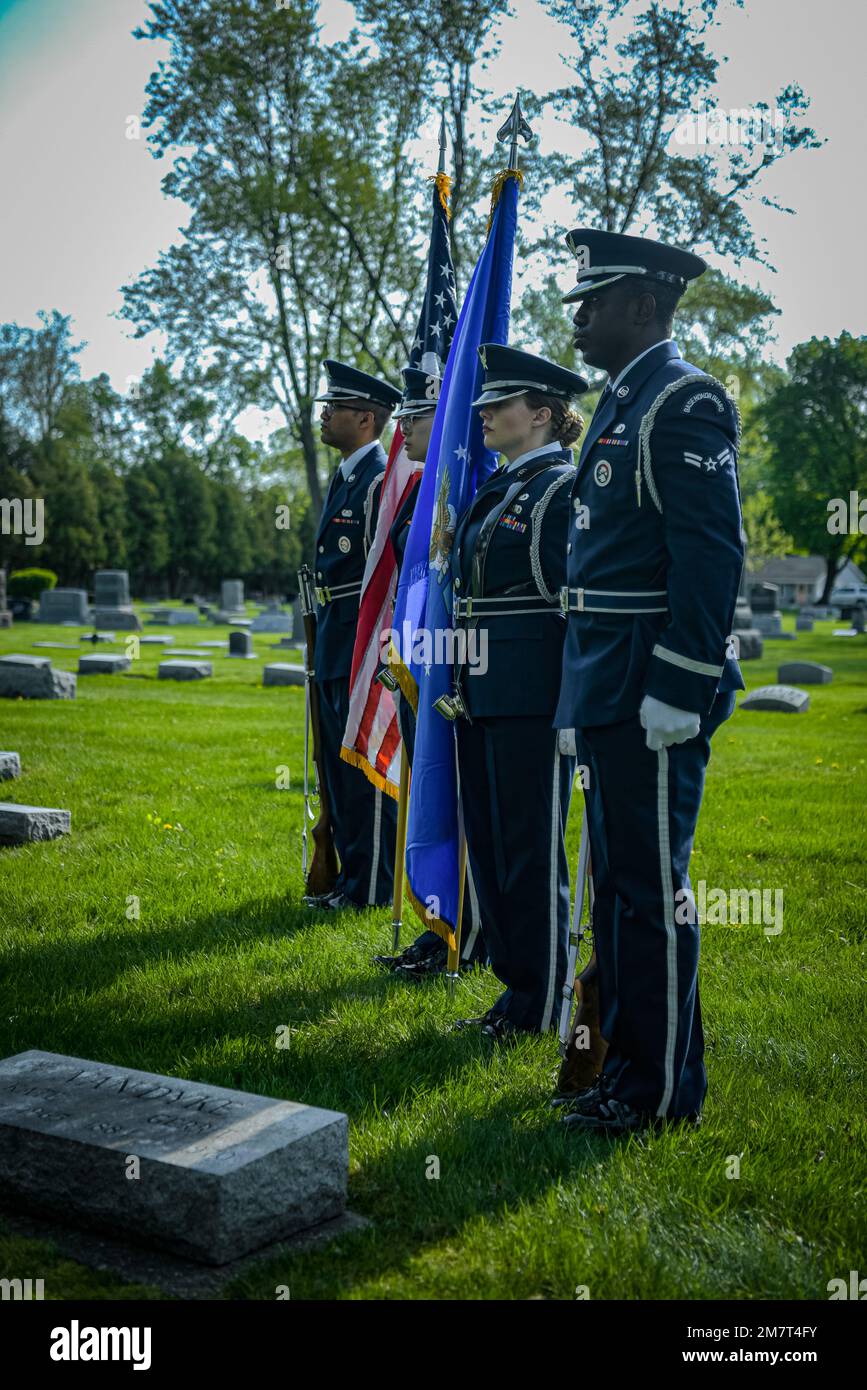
444 187
499 184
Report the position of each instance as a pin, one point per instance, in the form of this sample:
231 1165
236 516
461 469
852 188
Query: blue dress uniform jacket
515 783
345 533
522 518
656 527
364 818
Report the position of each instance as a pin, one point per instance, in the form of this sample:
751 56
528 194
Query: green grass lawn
174 800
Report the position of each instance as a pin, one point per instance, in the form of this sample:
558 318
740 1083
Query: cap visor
585 287
491 397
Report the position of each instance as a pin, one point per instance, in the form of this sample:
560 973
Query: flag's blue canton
439 313
423 611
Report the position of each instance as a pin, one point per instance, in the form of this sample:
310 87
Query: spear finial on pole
442 164
512 129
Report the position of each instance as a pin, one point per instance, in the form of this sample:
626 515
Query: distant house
801 578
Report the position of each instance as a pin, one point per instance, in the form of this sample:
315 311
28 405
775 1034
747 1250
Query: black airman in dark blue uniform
653 571
356 409
510 563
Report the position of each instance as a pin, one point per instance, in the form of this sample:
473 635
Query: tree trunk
834 566
311 463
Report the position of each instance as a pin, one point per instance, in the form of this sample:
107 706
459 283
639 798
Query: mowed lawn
174 800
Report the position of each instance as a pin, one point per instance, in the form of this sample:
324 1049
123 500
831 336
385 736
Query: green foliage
815 424
766 539
640 68
30 583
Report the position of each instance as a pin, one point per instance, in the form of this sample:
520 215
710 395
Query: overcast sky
83 210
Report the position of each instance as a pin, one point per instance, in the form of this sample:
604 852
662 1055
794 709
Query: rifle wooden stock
322 875
581 1065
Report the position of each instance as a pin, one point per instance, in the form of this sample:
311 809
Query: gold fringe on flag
356 759
499 184
444 187
443 929
403 676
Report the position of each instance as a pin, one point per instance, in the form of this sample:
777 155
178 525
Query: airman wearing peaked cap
356 409
648 672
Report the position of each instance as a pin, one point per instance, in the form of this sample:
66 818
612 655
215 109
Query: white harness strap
368 511
537 516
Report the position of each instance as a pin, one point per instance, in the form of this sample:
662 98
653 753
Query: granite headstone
219 1172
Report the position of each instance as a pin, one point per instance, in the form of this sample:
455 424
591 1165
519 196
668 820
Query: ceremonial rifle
582 1046
323 868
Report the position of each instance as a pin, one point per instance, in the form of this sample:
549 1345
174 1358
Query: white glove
665 724
566 743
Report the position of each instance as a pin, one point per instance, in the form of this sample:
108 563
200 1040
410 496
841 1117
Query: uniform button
569 548
457 583
322 550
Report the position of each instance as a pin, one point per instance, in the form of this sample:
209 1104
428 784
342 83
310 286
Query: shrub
30 583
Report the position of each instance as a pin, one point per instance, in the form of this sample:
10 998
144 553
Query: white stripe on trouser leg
553 891
468 944
670 930
374 864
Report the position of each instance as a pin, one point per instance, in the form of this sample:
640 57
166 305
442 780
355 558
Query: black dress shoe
492 1025
338 902
412 955
577 1100
317 899
603 1113
432 962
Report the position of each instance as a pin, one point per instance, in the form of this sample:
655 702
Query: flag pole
453 971
400 850
513 128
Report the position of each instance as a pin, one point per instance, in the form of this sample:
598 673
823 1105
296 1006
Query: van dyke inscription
129 1088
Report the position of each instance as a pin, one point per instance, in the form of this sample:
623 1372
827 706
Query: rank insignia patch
711 463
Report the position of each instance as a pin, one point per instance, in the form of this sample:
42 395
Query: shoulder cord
644 461
368 511
537 516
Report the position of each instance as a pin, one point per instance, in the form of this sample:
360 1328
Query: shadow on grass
379 1051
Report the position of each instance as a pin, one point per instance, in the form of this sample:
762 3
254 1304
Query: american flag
371 740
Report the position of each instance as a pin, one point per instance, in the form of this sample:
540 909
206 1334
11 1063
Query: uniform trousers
642 810
515 792
364 818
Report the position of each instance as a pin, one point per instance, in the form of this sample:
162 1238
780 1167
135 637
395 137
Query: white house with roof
800 579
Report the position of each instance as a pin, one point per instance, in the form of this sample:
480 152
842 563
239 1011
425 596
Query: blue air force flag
423 659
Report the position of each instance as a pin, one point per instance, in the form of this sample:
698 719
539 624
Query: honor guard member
648 675
355 410
428 954
509 563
